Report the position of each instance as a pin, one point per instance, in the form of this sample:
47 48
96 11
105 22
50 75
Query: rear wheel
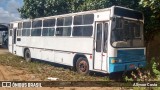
82 66
27 55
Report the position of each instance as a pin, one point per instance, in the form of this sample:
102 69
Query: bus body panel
127 59
67 45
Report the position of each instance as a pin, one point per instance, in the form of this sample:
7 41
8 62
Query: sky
8 10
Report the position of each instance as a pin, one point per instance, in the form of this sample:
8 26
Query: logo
6 84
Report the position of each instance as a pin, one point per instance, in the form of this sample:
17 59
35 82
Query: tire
82 66
27 55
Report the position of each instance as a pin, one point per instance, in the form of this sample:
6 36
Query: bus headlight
115 60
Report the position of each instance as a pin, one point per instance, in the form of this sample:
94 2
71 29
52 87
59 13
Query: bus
104 40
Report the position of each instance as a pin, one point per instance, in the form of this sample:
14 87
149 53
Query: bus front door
100 46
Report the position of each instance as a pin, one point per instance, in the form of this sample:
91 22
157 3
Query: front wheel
27 55
82 66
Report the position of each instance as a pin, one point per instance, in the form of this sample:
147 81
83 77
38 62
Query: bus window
83 19
88 18
37 23
48 32
66 21
63 31
27 24
26 32
10 32
36 32
99 37
78 20
105 37
82 30
49 23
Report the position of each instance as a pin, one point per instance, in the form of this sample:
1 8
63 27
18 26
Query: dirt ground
8 73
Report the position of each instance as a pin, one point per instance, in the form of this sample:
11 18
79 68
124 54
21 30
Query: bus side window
99 37
105 37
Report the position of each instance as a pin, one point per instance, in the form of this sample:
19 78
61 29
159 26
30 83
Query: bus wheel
82 66
27 55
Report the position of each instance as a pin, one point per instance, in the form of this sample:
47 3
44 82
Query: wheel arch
78 55
25 50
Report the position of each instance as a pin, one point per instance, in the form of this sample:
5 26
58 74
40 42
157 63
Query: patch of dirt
8 73
3 50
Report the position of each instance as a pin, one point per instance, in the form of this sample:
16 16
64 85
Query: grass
46 70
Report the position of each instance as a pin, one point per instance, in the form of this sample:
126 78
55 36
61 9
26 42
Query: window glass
19 25
48 32
11 26
27 24
59 21
26 32
129 35
83 19
88 18
10 32
36 32
82 31
63 31
68 21
105 37
99 37
19 32
137 32
37 23
49 23
78 20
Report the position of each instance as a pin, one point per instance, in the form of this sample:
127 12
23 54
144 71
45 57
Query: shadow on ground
112 76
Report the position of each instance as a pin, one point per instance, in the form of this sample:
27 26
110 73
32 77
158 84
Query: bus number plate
131 66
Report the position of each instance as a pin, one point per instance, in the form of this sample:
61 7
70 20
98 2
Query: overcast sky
8 10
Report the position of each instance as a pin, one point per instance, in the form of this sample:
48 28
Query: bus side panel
10 44
64 58
35 53
19 51
47 55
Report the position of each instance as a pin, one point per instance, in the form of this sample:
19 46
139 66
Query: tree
32 8
41 8
152 17
154 5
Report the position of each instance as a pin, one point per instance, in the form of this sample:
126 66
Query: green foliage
138 75
150 73
41 8
155 70
152 17
154 5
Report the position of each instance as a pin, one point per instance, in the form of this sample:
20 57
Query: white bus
105 40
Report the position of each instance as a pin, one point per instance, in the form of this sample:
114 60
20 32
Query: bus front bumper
116 67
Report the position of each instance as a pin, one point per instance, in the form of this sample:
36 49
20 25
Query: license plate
131 66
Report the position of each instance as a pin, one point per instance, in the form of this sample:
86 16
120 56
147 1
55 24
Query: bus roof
72 14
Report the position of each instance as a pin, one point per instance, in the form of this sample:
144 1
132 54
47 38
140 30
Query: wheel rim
83 66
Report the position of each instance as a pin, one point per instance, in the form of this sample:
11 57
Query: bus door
14 41
100 46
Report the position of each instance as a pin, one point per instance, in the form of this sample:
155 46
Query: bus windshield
127 33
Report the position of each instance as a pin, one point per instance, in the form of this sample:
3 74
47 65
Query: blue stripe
131 55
